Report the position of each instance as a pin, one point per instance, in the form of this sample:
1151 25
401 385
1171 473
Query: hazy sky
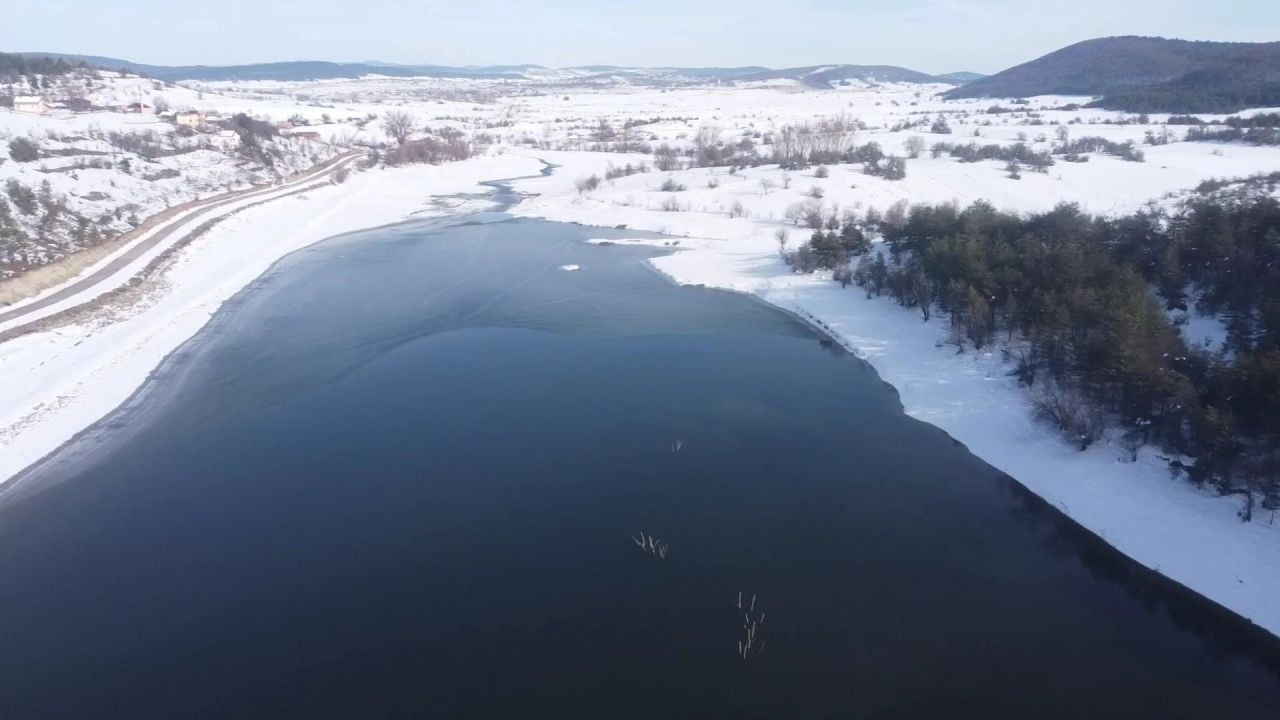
928 35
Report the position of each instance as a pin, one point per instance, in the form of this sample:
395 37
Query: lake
404 475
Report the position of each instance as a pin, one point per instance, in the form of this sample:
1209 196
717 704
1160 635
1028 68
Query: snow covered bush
23 149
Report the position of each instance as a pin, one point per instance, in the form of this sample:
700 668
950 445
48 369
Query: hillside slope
1146 74
294 70
817 76
824 76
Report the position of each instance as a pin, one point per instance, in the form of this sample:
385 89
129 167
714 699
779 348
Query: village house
193 119
141 108
30 105
225 140
309 135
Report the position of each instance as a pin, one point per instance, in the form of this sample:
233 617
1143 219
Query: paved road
158 236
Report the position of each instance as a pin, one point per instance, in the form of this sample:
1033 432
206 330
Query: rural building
192 119
225 140
30 105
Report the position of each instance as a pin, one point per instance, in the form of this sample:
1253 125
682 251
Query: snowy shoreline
59 382
56 383
1187 535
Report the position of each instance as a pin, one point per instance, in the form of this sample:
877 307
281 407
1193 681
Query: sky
928 35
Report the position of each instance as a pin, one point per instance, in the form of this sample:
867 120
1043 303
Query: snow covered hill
102 151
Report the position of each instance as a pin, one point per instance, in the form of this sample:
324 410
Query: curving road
164 232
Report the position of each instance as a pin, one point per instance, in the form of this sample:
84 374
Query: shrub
22 196
1072 413
23 150
893 168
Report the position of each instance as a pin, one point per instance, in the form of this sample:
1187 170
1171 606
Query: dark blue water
399 477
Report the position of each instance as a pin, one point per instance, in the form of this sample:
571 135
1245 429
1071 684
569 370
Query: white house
225 140
193 119
30 104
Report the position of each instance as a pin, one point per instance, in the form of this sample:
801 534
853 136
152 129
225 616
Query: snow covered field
54 383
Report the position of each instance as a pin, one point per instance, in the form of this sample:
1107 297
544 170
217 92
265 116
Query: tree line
1081 306
13 67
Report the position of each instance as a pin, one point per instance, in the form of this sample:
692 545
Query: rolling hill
818 76
961 78
289 70
824 76
1146 74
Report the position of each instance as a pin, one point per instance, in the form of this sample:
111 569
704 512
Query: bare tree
1072 413
707 145
398 125
914 145
896 215
604 131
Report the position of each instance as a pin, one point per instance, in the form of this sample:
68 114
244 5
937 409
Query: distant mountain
961 78
720 73
825 76
96 61
1146 74
818 76
691 73
474 69
291 70
323 70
